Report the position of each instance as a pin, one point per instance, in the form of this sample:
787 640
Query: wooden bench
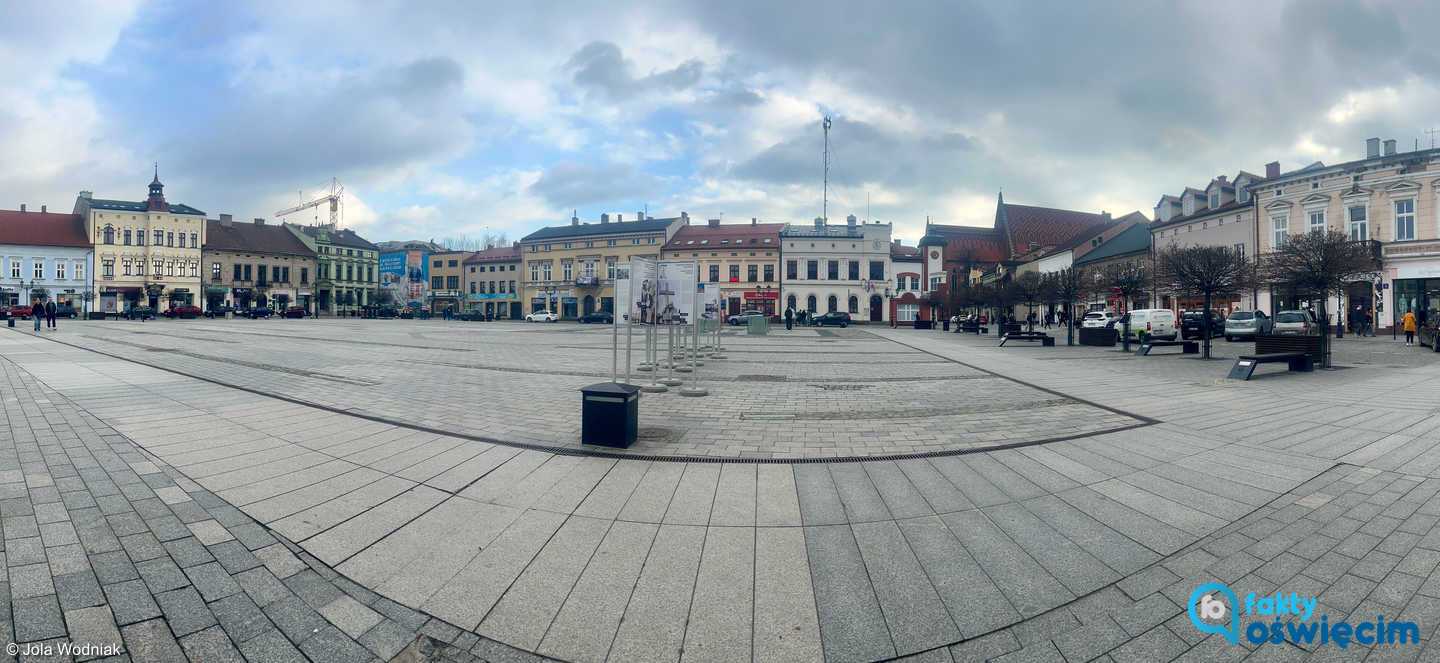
973 328
1186 347
1045 339
1245 364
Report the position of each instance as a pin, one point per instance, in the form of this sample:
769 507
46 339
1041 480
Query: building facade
908 265
147 252
446 273
571 269
1130 245
405 270
1391 198
492 282
741 259
255 264
830 268
1223 214
45 257
346 268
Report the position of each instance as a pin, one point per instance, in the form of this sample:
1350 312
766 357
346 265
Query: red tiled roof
42 229
1045 226
496 254
253 237
732 235
906 253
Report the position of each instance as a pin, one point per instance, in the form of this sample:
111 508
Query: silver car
1247 324
1295 323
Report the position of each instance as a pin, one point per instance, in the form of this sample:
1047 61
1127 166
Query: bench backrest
1310 345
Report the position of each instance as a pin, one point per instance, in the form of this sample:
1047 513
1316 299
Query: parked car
1157 323
1247 324
185 312
1097 319
219 311
831 319
1295 323
387 312
598 317
542 316
259 312
743 317
65 310
296 312
139 312
1429 331
20 312
1193 323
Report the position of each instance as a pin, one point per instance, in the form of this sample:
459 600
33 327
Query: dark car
259 312
65 311
186 312
296 312
1430 331
387 312
1192 324
219 311
139 312
598 317
831 319
471 316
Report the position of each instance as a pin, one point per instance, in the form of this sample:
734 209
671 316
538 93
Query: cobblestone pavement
800 394
1078 549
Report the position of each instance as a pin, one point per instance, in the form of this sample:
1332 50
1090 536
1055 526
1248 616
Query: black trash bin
609 414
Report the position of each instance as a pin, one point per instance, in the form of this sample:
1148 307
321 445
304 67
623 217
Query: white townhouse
44 257
837 268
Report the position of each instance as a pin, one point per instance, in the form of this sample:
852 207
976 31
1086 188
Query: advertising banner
677 291
641 288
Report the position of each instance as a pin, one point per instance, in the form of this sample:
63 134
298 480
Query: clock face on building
934 254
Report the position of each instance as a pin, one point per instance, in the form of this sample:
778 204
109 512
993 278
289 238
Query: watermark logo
1287 616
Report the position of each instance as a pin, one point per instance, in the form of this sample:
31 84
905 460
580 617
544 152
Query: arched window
790 302
109 234
831 302
810 303
127 237
854 304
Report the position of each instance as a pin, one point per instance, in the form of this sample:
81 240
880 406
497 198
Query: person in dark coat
50 313
789 318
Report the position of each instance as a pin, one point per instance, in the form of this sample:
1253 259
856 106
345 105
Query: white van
1157 323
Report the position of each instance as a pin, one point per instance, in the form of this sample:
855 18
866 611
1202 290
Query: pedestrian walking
789 319
50 314
37 311
1408 324
1369 325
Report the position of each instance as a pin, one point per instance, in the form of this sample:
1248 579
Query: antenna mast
825 190
1431 133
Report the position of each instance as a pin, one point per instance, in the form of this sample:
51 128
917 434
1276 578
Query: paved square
1007 503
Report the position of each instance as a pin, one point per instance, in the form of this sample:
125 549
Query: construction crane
335 198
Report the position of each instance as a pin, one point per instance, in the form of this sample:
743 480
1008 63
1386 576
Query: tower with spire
156 201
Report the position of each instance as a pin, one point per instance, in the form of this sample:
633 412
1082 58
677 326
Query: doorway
876 308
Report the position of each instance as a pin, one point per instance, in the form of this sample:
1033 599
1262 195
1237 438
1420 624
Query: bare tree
1030 290
1319 264
1207 271
1126 278
486 240
1069 286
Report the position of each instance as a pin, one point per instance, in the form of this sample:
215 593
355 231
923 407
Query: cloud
599 66
575 184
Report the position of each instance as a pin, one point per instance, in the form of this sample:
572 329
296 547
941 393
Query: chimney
1220 179
227 220
619 218
86 195
259 221
574 220
1390 148
714 223
22 207
684 219
1104 215
640 216
42 209
604 218
850 220
754 221
1272 170
819 223
1372 148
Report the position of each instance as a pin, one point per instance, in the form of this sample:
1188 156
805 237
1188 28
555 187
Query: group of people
793 316
1361 324
46 311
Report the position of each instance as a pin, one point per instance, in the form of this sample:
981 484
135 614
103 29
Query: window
38 265
140 267
15 268
159 269
247 273
877 270
568 269
854 305
790 271
370 273
214 271
512 286
170 238
125 266
107 267
275 274
1280 229
1404 219
934 283
452 283
534 271
1317 221
436 282
734 273
109 235
170 269
752 273
832 270
914 283
194 241
830 303
350 272
715 273
159 237
472 287
853 270
587 269
609 242
195 268
260 275
59 270
568 245
907 312
304 275
127 237
139 238
810 303
812 271
546 270
609 268
285 274
1240 250
453 263
1242 194
236 275
769 273
900 284
79 271
1359 226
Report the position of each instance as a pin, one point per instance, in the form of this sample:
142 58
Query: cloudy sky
444 119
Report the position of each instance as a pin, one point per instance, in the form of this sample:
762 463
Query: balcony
587 281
